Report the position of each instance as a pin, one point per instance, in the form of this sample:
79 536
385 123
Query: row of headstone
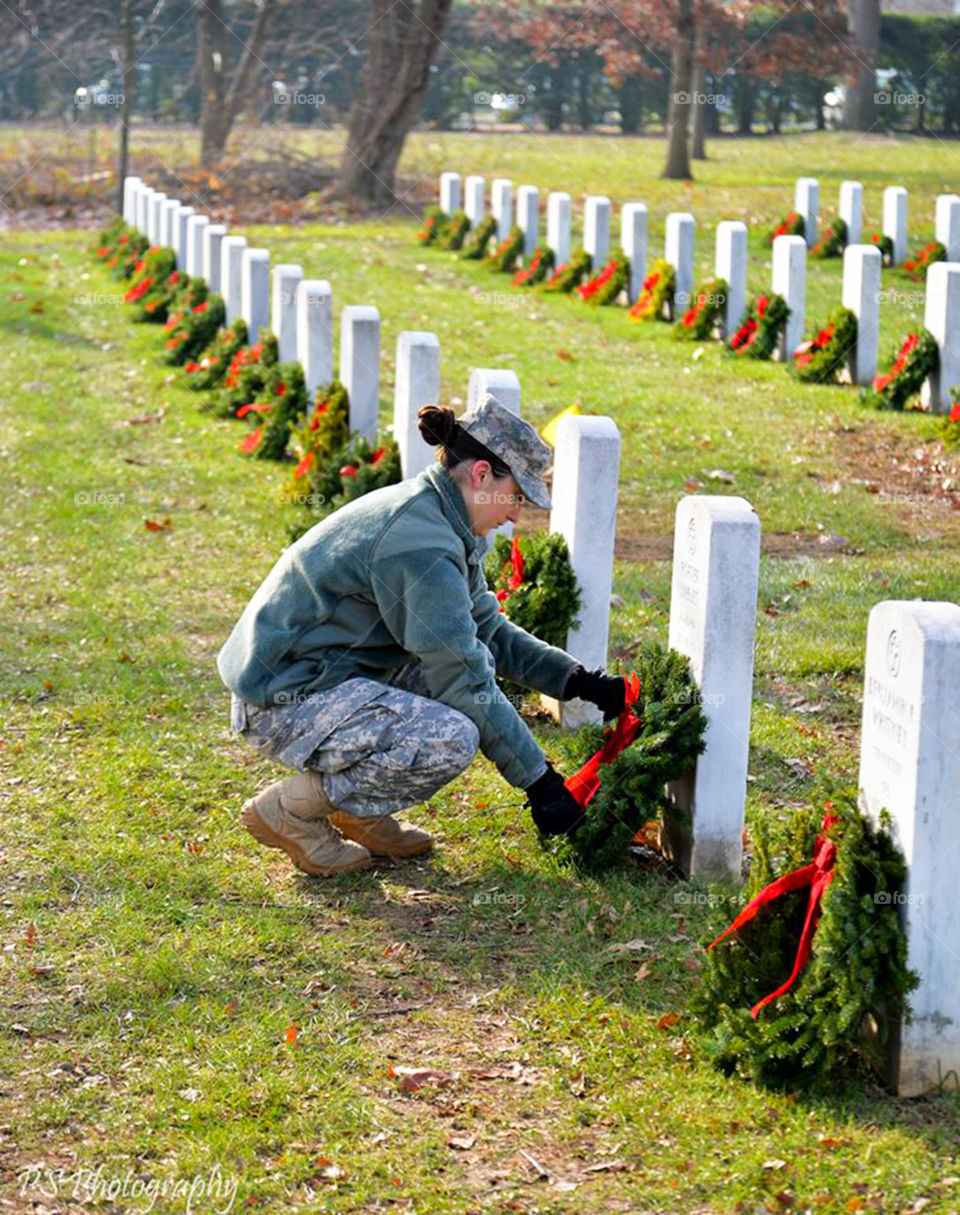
894 216
299 311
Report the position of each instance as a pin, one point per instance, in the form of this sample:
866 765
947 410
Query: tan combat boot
383 836
295 815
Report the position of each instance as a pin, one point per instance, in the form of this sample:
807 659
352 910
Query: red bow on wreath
584 784
817 875
515 580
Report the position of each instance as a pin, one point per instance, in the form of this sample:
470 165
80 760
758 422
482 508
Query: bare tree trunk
681 81
865 36
223 94
403 44
698 139
128 79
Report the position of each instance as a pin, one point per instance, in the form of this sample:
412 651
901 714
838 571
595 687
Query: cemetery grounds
178 1003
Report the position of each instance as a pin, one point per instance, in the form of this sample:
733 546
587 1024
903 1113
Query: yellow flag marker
549 431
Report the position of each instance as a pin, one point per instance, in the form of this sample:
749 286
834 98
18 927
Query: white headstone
156 215
730 264
910 766
130 186
633 241
168 223
449 193
360 366
942 317
895 220
586 470
948 225
861 294
713 608
231 276
851 210
790 281
417 384
678 251
213 235
180 235
596 228
255 290
314 306
503 384
501 206
806 201
475 200
144 194
558 226
528 217
195 227
283 312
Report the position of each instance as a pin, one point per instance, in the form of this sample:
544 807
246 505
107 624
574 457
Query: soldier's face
491 501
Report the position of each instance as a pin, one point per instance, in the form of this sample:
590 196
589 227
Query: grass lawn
178 1001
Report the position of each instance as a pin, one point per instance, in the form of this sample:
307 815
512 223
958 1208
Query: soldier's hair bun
438 425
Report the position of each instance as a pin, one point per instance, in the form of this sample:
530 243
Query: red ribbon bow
584 784
817 875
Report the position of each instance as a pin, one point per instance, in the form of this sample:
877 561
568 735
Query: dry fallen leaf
153 526
462 1143
412 1079
292 1033
667 1020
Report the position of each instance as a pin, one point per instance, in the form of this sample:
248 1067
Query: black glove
552 805
607 692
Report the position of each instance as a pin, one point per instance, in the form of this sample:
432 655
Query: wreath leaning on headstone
917 358
606 287
821 360
833 242
791 224
844 998
656 299
631 790
569 274
760 327
699 320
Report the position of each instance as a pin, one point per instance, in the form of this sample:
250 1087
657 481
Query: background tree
859 107
401 46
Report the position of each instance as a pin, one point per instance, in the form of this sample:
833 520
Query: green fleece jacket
396 573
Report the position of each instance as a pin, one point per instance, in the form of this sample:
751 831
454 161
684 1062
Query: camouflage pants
380 746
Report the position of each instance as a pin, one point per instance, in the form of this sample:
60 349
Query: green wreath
656 299
760 328
504 257
791 224
211 364
857 971
631 791
709 301
605 288
917 358
454 232
568 275
475 249
541 263
821 360
833 242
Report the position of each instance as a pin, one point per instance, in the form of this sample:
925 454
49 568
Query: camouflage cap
516 443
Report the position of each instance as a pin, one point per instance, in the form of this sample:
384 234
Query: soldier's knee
464 744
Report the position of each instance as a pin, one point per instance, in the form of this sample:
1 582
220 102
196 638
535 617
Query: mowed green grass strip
147 1011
